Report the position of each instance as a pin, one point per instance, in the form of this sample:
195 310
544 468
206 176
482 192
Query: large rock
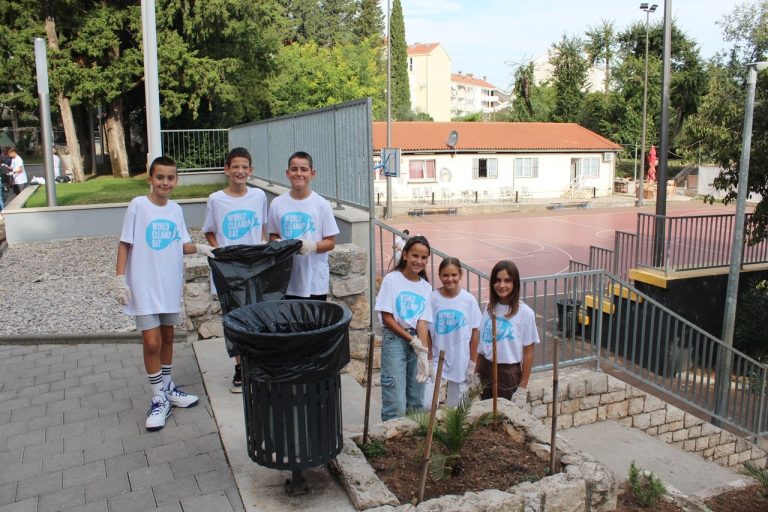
363 487
211 329
347 258
197 299
354 285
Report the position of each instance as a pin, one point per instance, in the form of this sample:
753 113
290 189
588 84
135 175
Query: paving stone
95 362
27 413
219 459
94 399
80 474
215 480
5 417
173 491
44 484
166 453
207 502
100 489
192 465
96 506
20 471
142 442
8 493
234 499
120 432
95 378
134 501
95 426
63 367
28 505
62 405
176 507
62 461
206 427
42 451
80 414
110 385
149 476
11 455
43 422
179 433
49 377
124 372
67 498
16 403
17 384
79 372
14 427
206 443
193 415
46 398
126 463
103 451
35 437
66 430
80 391
37 388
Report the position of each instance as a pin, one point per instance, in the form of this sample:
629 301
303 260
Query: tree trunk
73 145
113 127
15 126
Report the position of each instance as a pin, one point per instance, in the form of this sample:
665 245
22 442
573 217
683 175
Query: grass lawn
106 189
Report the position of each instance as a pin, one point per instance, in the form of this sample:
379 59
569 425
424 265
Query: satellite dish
453 138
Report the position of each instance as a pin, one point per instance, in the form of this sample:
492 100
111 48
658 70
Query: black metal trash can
292 354
566 315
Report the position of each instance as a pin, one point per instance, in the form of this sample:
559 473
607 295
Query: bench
418 212
560 206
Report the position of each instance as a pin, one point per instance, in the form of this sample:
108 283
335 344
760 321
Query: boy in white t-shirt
149 280
18 171
302 214
236 215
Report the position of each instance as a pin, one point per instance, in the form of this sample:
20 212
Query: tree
524 86
401 92
717 127
569 78
369 22
601 40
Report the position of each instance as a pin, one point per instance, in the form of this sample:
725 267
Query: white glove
307 247
204 250
120 290
432 373
470 375
423 361
520 396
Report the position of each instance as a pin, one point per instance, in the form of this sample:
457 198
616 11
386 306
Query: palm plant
761 475
451 432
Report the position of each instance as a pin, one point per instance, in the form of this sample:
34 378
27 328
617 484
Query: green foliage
601 42
647 488
373 449
106 189
451 432
401 92
761 475
752 318
369 22
569 78
20 23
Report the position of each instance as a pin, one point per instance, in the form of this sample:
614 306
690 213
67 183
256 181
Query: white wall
553 181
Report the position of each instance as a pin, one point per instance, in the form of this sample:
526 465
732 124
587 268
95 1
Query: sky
487 38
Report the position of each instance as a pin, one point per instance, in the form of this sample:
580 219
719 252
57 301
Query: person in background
18 171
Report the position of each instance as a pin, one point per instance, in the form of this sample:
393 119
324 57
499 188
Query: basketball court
540 243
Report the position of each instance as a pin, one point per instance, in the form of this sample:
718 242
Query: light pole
388 210
648 10
729 316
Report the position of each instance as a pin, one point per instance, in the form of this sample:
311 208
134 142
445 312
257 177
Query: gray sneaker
157 413
178 398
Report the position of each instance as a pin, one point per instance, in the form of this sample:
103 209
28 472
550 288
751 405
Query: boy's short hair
238 152
161 160
302 154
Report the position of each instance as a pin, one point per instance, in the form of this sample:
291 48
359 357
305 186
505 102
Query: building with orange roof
429 78
497 161
470 95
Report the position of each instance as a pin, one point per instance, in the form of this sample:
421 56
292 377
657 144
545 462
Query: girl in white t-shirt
456 319
515 336
405 312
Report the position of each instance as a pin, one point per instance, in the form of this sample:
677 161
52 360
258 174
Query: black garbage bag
247 274
294 341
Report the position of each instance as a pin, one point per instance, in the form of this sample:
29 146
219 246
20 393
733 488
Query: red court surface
540 243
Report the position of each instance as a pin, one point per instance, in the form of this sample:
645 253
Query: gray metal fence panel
337 137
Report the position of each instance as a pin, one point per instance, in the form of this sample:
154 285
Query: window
526 167
484 168
423 170
410 64
590 167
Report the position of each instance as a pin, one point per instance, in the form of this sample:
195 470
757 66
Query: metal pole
388 209
639 202
661 176
635 172
41 67
151 86
731 295
555 405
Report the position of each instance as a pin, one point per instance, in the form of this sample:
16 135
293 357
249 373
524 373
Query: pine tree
401 93
369 22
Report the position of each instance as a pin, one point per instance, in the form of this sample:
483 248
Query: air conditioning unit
608 157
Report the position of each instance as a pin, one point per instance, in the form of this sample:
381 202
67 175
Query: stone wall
586 396
348 285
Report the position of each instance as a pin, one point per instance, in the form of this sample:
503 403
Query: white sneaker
178 398
157 413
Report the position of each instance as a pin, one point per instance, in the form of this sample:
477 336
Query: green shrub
373 449
761 475
647 488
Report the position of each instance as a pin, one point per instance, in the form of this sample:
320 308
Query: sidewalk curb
73 338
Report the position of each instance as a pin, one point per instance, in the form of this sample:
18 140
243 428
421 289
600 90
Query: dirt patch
489 460
748 499
628 503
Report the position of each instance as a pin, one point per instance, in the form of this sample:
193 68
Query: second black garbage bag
291 341
247 274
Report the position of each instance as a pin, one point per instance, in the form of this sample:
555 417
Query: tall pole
151 82
661 176
648 11
388 209
732 291
43 93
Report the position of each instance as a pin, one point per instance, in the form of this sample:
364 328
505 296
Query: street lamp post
388 210
648 10
729 316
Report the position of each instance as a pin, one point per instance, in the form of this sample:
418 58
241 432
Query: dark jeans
509 378
323 297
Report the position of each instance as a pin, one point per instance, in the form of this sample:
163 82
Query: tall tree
569 77
369 22
524 88
401 92
601 41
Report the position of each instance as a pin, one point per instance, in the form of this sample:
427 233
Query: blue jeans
399 390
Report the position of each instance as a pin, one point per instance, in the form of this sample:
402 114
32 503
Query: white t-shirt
19 178
155 268
512 334
451 330
56 165
406 300
304 219
236 220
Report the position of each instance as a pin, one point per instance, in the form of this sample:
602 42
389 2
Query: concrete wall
430 84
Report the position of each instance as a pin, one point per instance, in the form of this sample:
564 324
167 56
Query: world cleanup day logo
505 331
238 223
448 321
409 305
296 224
161 233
